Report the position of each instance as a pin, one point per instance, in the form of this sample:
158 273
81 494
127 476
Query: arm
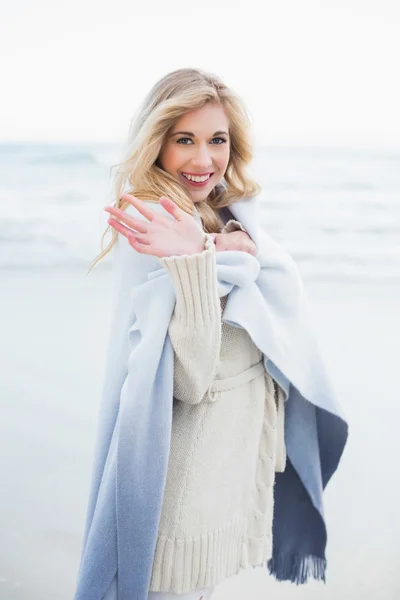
197 310
195 326
280 461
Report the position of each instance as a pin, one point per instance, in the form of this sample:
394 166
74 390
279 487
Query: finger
172 208
140 206
123 216
142 248
126 231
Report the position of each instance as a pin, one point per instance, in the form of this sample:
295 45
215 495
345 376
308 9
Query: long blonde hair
172 96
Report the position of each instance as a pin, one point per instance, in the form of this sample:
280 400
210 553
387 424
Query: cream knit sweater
227 439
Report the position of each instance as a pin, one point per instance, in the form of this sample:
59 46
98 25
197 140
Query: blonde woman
190 146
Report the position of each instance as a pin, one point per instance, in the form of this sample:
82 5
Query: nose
202 159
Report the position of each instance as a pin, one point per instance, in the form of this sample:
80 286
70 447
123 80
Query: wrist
207 243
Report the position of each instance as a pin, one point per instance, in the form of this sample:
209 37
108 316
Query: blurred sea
337 211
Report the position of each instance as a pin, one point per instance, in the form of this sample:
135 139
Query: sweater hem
184 564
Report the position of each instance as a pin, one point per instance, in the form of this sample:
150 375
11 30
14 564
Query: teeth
196 178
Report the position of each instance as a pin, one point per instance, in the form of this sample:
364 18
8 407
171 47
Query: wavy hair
172 96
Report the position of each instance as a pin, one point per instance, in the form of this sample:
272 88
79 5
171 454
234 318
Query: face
198 145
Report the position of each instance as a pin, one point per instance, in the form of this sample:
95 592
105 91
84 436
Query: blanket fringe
296 568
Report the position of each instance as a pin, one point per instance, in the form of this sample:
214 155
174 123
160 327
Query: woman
186 166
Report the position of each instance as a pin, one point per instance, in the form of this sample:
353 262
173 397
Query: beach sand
54 328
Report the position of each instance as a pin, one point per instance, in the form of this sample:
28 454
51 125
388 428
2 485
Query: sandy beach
54 328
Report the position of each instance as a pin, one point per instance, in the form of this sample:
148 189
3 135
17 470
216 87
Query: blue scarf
267 299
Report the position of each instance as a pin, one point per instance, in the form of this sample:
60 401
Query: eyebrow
192 134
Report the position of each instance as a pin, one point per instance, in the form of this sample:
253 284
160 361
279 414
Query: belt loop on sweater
229 383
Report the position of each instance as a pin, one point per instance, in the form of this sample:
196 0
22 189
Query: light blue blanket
267 299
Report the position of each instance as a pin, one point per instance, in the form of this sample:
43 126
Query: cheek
224 159
171 158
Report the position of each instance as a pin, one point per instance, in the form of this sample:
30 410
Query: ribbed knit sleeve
195 326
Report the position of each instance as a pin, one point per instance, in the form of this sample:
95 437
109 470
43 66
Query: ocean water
337 211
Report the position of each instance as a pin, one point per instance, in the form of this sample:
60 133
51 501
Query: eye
223 140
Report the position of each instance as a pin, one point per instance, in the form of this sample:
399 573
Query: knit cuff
194 277
233 225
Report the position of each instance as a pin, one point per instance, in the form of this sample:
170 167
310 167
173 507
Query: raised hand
159 236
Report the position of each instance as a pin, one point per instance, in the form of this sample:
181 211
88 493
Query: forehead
208 118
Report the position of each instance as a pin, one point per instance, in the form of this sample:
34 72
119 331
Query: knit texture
267 299
226 444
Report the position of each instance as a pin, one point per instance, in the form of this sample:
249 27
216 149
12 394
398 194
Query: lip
199 174
195 183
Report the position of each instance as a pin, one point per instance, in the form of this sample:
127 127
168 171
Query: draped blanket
266 297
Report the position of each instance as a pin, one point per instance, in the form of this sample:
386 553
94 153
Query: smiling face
198 145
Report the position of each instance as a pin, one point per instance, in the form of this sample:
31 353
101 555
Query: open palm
159 235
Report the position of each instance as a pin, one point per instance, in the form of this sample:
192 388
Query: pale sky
310 72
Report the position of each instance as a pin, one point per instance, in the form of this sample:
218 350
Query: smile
195 180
